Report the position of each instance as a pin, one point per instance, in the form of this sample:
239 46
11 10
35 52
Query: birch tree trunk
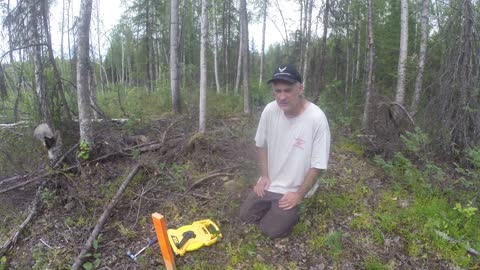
262 53
370 88
239 60
244 23
174 86
56 72
203 66
402 59
99 46
83 62
421 57
307 41
38 68
323 54
347 49
215 49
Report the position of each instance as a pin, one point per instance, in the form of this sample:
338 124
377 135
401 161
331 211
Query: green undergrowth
432 215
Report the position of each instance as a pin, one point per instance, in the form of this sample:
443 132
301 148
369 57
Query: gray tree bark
307 41
239 61
262 53
174 86
421 57
370 88
244 23
215 50
402 58
203 66
83 62
56 72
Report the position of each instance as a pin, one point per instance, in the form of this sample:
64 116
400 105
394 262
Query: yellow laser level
194 236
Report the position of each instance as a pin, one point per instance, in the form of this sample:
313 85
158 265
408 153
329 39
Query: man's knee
275 231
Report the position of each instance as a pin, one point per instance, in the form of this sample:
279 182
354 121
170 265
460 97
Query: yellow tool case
192 237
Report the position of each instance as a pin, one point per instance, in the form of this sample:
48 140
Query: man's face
288 96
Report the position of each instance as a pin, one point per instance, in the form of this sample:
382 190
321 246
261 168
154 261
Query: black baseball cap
286 73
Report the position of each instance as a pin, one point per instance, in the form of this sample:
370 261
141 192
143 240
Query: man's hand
261 185
290 200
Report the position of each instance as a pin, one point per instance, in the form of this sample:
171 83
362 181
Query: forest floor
348 224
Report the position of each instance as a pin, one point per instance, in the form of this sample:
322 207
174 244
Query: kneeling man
293 145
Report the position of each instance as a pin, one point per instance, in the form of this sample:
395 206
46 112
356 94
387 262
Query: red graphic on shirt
299 143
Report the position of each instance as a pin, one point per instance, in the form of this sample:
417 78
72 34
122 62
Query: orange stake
161 230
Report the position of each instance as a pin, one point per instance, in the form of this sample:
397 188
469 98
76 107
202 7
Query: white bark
262 53
402 58
83 61
239 61
244 23
347 47
421 57
203 66
307 41
215 53
371 69
174 86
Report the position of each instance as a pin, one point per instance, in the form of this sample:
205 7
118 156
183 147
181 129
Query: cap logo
282 69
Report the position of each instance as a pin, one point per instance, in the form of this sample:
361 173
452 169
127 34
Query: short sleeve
321 145
261 135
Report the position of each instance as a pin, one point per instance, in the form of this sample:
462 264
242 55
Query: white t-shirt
294 145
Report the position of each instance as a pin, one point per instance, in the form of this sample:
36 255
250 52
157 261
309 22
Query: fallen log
103 218
33 211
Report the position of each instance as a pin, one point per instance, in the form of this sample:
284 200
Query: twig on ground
33 211
60 160
168 128
103 218
201 180
453 240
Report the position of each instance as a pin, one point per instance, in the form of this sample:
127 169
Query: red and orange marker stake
161 230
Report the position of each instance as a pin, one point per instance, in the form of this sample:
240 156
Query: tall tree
402 58
370 88
83 62
264 27
421 57
51 58
203 66
323 53
308 18
244 35
99 45
215 50
347 47
239 60
174 83
38 66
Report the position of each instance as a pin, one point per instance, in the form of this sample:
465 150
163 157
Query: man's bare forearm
309 181
262 156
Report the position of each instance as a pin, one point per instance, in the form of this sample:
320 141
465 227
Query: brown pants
271 219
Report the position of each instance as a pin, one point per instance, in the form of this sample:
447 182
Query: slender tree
244 35
370 88
402 58
174 82
262 53
239 61
215 50
83 62
203 66
51 58
421 57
